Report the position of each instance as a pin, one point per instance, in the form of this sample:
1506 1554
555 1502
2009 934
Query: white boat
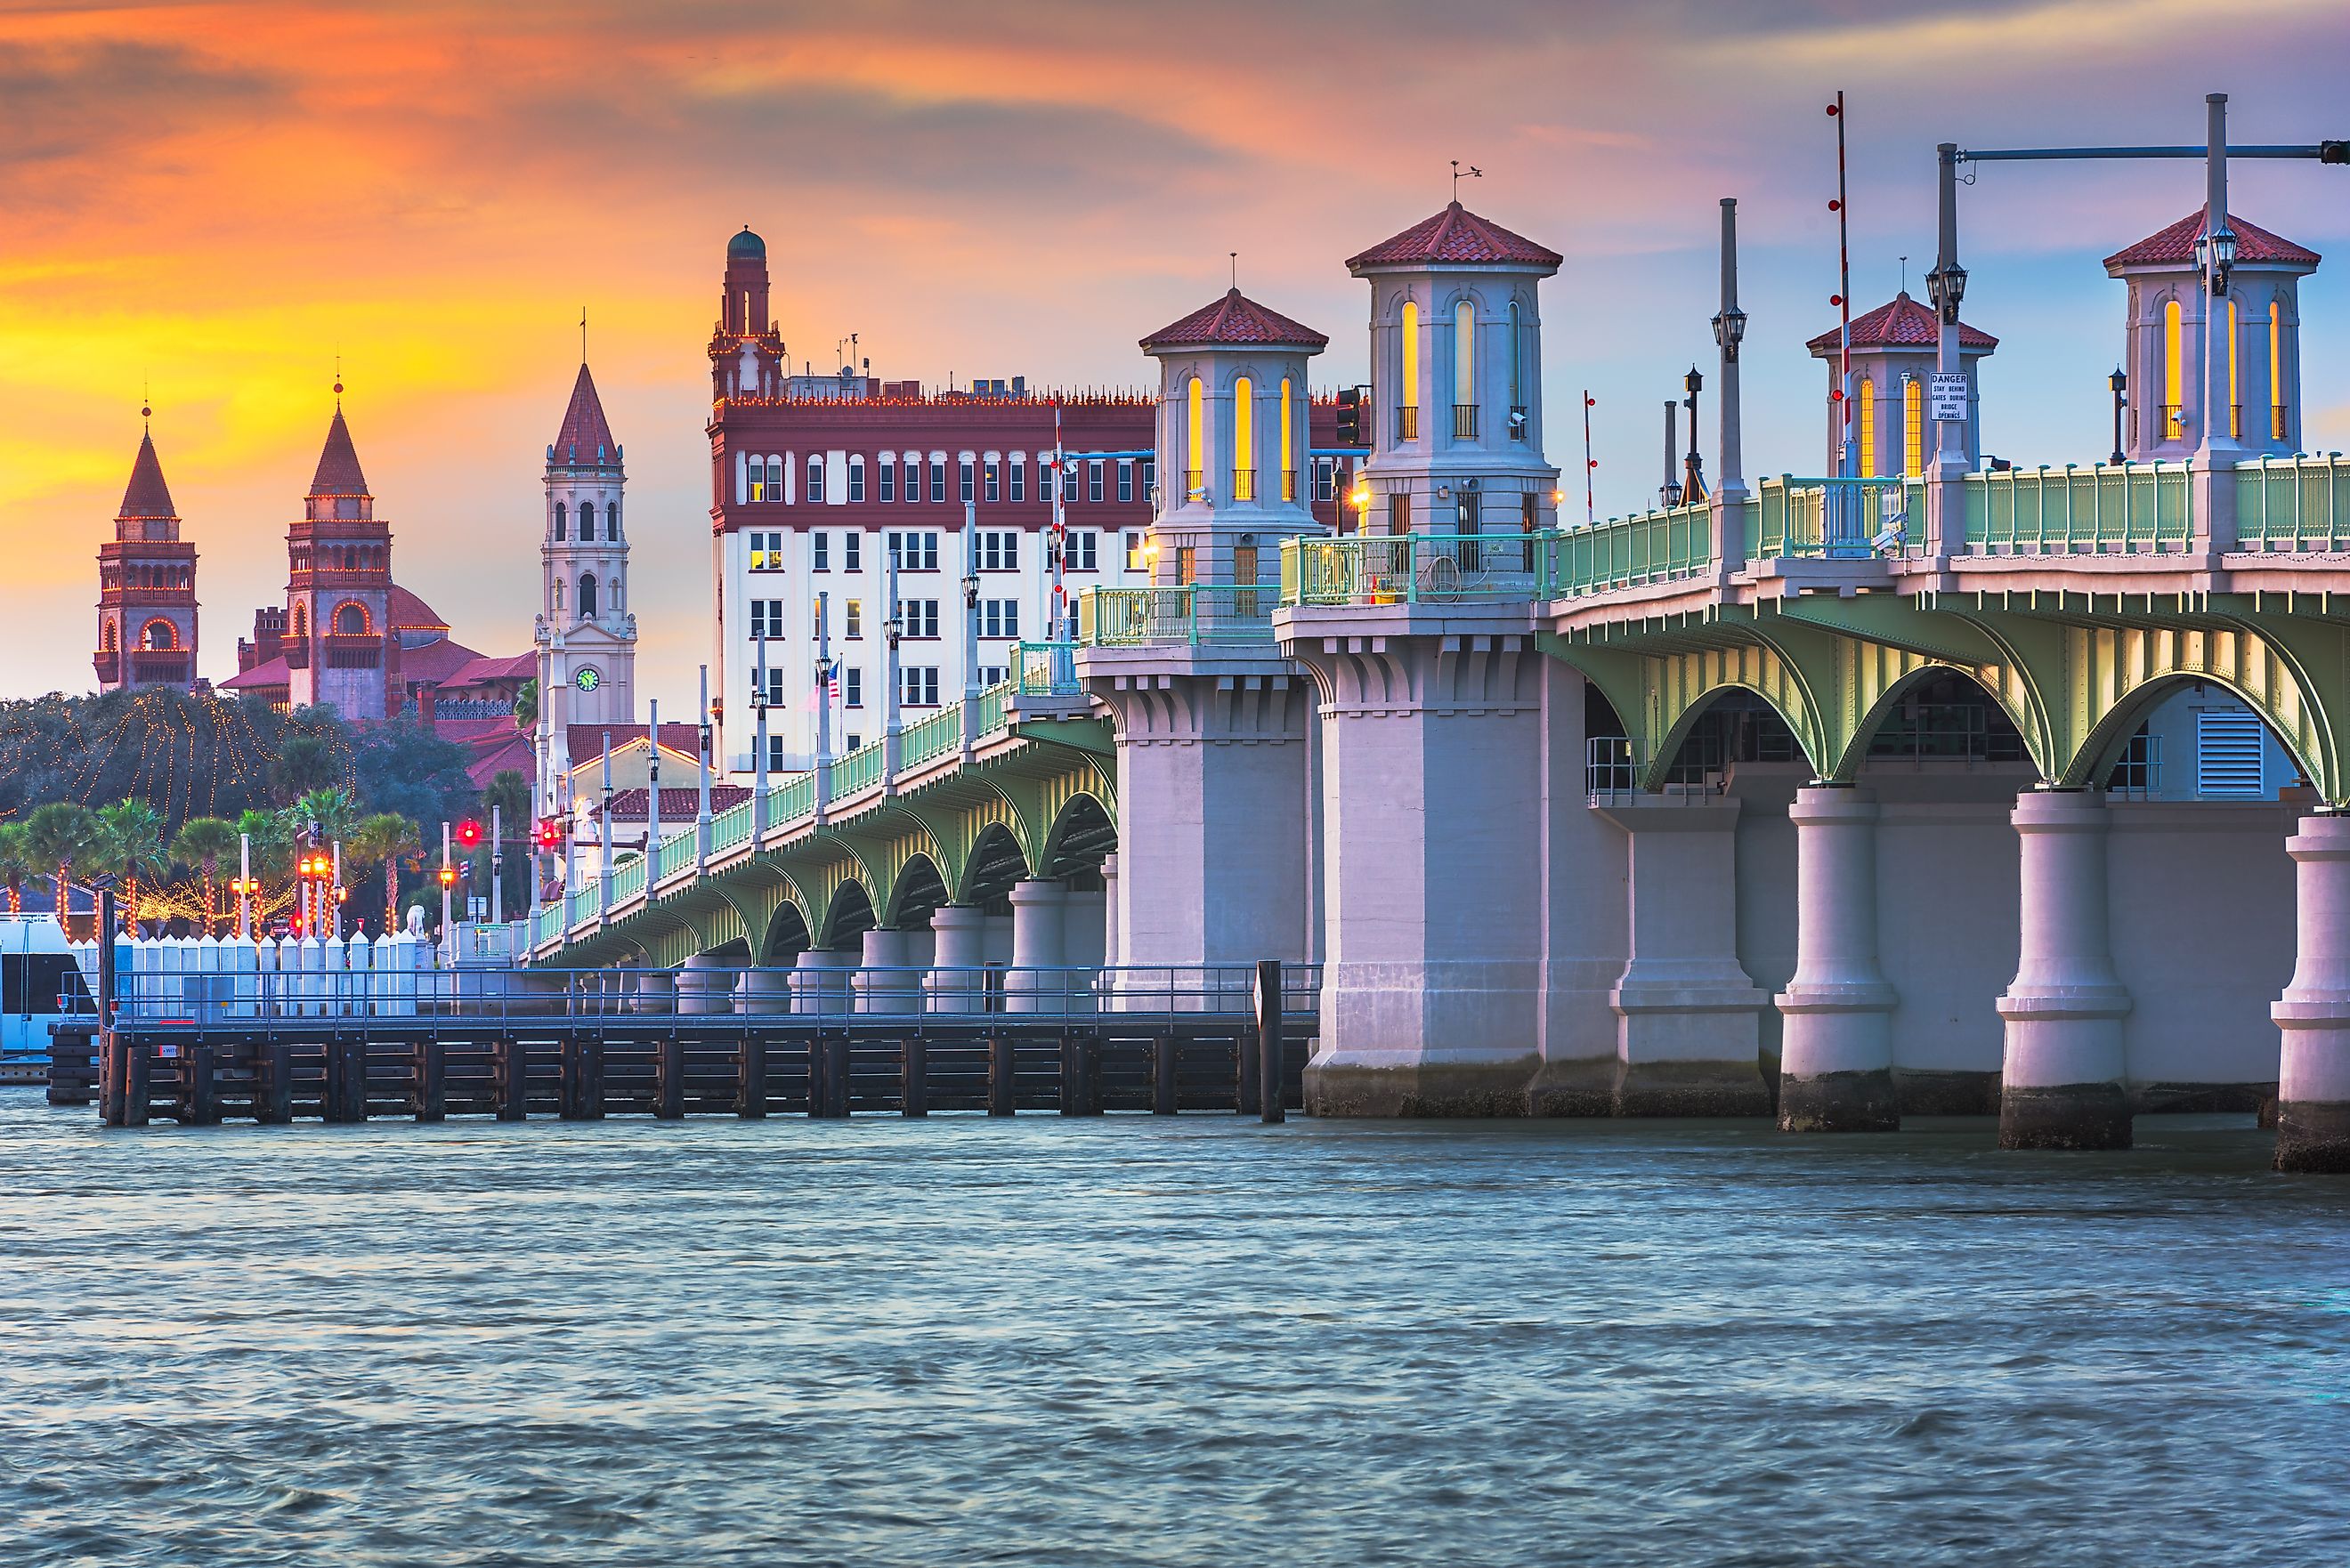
40 982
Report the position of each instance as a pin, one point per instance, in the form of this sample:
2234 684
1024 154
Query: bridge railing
1412 568
1044 669
2294 504
2131 508
933 737
1190 614
1627 552
860 769
1849 519
674 853
629 877
730 827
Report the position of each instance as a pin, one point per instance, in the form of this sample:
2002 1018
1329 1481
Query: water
1146 1342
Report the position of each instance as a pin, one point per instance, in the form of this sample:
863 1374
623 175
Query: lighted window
1517 360
1195 443
2276 368
1244 440
1913 425
852 618
2174 372
351 620
2235 398
994 481
1464 352
1867 426
1407 395
1288 442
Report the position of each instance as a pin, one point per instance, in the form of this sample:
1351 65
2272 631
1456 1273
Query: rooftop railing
2294 504
1190 614
1412 568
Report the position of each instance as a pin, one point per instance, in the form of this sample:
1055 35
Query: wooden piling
913 1076
110 1086
1162 1075
669 1079
1245 1073
1000 1075
513 1067
138 1065
579 1093
838 1087
430 1101
751 1088
201 1107
273 1065
1270 1048
354 1080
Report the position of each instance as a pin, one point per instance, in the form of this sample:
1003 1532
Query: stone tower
339 647
1235 468
1456 375
585 635
146 587
746 352
1893 349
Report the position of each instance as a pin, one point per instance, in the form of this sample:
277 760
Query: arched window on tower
587 521
619 593
106 638
562 523
1913 425
612 520
2174 372
301 622
1517 374
1288 441
1195 445
586 595
351 620
161 637
2235 398
1868 427
558 592
1407 394
1464 370
2276 370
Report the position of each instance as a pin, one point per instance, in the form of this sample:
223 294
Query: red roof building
1895 351
1455 237
1235 321
146 587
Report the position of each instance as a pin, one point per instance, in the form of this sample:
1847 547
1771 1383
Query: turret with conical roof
339 645
586 636
147 587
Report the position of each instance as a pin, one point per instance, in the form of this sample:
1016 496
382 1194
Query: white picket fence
209 980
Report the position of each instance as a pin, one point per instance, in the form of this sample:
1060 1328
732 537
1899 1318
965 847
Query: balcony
361 652
1465 422
161 667
108 664
1195 485
1407 423
1244 484
2280 426
1289 484
1192 615
2174 421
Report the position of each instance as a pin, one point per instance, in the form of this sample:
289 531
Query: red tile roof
148 495
585 742
1237 321
434 662
2175 246
406 612
585 438
677 804
1902 322
338 464
1456 236
261 676
486 668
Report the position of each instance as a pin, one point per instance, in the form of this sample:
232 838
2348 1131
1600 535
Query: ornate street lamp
1946 286
2215 256
2120 384
1729 331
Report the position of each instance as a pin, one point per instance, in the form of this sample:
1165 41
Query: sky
214 205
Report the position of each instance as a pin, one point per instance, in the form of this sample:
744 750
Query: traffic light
469 833
550 835
1351 416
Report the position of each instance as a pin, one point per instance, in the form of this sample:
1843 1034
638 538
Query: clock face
587 680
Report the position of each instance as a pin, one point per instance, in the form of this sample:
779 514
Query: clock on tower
586 679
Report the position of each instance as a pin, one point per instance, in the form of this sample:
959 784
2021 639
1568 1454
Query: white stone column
818 983
703 985
2062 1077
1689 1017
883 983
958 980
1039 907
1110 959
1835 1063
2314 1080
764 990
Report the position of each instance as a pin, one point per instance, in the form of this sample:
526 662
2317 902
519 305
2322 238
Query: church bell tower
586 634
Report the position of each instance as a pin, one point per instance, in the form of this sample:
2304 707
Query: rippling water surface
1138 1341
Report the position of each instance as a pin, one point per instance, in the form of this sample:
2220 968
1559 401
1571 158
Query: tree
527 704
59 834
304 763
508 795
386 839
129 842
402 765
16 863
204 842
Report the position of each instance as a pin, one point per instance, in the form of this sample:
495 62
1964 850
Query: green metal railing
1190 614
1412 568
1815 518
673 856
935 736
1045 669
629 877
860 769
2123 509
1624 552
2294 504
994 707
730 827
791 799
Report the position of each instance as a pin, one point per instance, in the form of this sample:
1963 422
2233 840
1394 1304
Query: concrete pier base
820 980
958 981
1835 1072
2312 1113
2063 1077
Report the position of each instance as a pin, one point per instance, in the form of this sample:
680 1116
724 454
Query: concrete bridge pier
818 981
883 981
2063 1068
957 982
2313 1087
1039 946
703 985
1689 1017
1836 1064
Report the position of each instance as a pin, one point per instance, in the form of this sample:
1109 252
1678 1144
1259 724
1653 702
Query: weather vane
583 333
1236 267
1472 172
338 381
146 398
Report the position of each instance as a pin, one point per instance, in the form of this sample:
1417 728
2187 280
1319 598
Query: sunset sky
218 199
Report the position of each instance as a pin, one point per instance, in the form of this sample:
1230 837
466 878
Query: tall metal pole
447 923
1590 466
603 836
1669 493
702 804
652 795
497 863
1729 327
1840 502
333 897
822 788
2217 449
1945 498
969 588
759 738
892 712
1053 632
243 888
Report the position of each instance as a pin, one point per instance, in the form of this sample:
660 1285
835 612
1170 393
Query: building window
1407 395
1135 560
1019 473
1126 479
774 689
920 686
968 483
856 477
2276 370
1399 511
992 674
914 477
852 551
917 618
1325 479
1094 480
999 551
766 618
766 552
1195 438
1187 565
999 618
612 520
1288 441
814 481
889 477
915 551
994 481
586 521
2174 373
939 480
820 546
852 618
778 759
587 595
1913 425
560 523
1867 426
855 742
1517 370
1244 440
1083 552
852 694
1068 481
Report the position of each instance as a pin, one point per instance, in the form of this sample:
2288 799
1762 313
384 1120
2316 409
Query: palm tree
130 845
203 842
59 834
386 839
16 863
507 795
304 764
527 704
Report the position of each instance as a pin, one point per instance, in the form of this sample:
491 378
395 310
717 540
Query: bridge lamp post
2120 384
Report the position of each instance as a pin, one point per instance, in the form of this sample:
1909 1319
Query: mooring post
1162 1075
354 1080
914 1073
1246 1070
1270 1046
513 1059
203 1101
751 1088
999 1075
570 1082
669 1079
137 1064
838 1086
432 1081
111 1066
332 1068
1073 1087
274 1099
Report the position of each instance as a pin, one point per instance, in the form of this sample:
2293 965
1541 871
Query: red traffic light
469 834
550 835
